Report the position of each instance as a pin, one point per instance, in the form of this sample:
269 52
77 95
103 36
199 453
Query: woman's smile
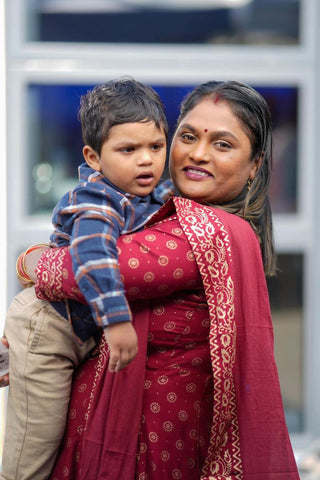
196 173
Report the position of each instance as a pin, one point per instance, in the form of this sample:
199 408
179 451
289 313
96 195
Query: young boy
124 130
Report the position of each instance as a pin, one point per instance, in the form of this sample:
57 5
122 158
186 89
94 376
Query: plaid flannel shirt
90 219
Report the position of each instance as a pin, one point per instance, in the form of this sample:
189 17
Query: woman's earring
249 183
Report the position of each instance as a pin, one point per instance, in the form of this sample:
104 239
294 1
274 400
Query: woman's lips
195 173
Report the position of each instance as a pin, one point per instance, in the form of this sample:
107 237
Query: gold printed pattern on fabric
99 370
52 275
211 246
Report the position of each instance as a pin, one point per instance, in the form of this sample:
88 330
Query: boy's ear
91 157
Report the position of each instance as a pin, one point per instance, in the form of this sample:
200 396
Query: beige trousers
43 354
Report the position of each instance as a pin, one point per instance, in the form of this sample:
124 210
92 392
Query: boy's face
132 158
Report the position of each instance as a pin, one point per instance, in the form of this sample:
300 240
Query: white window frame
299 66
3 202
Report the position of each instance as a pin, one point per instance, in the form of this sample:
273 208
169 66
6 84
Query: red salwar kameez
202 398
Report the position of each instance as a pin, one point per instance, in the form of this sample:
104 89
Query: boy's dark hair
118 101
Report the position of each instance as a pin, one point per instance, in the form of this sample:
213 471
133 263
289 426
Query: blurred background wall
56 50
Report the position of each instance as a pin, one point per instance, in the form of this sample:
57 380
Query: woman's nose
200 153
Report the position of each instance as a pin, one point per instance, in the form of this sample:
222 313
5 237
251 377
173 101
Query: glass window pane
55 148
283 103
286 306
55 151
265 22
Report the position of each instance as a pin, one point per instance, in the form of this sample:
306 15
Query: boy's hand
122 341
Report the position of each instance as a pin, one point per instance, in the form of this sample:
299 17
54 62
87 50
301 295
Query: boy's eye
156 147
127 149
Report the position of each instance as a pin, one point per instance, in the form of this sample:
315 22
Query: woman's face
210 156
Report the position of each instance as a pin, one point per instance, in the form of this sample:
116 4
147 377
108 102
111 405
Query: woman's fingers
4 379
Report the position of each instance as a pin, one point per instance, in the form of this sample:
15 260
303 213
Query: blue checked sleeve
93 220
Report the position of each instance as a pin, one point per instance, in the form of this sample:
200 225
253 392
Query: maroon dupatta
249 438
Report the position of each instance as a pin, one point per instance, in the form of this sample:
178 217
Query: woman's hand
31 261
4 380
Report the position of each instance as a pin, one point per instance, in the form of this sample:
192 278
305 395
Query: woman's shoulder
187 206
198 214
204 217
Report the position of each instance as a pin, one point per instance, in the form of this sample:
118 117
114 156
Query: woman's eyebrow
214 134
187 126
224 133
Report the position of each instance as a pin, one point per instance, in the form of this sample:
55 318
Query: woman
206 403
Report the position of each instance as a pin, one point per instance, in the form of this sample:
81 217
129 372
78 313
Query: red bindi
205 129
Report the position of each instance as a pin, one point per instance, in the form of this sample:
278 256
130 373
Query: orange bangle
20 264
20 269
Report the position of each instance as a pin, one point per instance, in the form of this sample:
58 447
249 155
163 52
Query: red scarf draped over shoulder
249 437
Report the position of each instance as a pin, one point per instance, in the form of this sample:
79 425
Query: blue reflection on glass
55 139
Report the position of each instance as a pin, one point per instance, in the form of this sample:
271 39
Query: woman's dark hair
252 110
118 101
